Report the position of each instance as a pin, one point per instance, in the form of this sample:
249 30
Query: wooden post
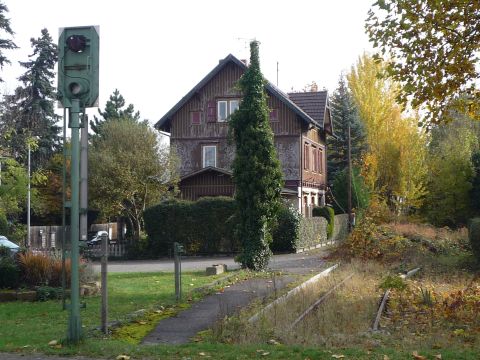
349 181
104 311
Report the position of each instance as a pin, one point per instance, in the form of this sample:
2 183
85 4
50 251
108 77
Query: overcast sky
154 52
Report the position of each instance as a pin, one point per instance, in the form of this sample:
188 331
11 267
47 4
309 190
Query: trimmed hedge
474 236
286 232
328 213
205 226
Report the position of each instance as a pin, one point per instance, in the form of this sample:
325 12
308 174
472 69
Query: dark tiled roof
313 103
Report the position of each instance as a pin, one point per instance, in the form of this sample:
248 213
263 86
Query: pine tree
114 110
29 112
256 168
5 44
344 111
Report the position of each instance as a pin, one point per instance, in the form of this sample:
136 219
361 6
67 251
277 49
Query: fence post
104 311
177 251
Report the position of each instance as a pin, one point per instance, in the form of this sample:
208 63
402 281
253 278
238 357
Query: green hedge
286 232
205 226
474 236
328 213
9 273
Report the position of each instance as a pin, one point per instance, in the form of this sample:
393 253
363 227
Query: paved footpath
205 313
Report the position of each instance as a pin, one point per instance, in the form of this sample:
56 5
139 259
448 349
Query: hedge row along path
205 313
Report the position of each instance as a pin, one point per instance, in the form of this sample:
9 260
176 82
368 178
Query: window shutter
274 115
211 111
196 117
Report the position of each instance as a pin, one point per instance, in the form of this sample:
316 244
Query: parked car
95 237
14 248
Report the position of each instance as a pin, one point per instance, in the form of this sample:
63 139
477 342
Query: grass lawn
31 326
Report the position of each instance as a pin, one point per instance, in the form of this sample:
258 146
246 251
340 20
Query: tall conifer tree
5 44
344 112
256 168
114 110
30 110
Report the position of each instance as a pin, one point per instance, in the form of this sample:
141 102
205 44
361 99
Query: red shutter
196 117
274 115
211 111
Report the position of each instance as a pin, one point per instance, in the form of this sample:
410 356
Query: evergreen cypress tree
114 111
30 110
256 168
5 44
344 111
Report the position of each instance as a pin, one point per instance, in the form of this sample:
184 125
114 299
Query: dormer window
225 108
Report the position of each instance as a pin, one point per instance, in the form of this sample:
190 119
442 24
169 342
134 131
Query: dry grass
445 234
338 321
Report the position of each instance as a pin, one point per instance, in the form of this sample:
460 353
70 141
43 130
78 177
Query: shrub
56 272
286 232
329 214
45 293
35 269
9 273
204 226
474 236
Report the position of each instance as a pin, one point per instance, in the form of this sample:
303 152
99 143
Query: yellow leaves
122 357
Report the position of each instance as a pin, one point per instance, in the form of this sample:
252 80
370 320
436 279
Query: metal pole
64 199
28 199
74 323
349 181
104 311
84 180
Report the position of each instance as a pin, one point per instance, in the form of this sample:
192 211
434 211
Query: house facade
198 128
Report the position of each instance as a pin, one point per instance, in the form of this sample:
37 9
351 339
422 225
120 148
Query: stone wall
313 232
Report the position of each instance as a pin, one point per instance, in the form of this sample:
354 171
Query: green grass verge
26 325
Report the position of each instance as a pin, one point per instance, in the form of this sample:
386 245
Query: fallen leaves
416 356
123 357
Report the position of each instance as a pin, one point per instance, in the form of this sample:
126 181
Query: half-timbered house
198 128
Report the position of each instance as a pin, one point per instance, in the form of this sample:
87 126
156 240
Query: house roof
314 104
285 191
164 123
205 170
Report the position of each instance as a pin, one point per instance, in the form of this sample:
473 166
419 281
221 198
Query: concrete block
216 269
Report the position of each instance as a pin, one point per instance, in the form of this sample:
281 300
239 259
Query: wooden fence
50 237
114 250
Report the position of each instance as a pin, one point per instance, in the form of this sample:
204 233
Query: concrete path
205 313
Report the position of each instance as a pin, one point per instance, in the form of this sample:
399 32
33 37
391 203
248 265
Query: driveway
295 263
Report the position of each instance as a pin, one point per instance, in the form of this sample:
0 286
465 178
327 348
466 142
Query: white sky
154 52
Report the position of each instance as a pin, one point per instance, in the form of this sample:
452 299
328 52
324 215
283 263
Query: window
234 104
225 108
306 156
195 117
315 159
222 113
209 155
320 161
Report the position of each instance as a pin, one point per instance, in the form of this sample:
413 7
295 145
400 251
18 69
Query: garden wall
313 232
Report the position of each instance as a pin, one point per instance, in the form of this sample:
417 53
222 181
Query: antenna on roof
277 73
